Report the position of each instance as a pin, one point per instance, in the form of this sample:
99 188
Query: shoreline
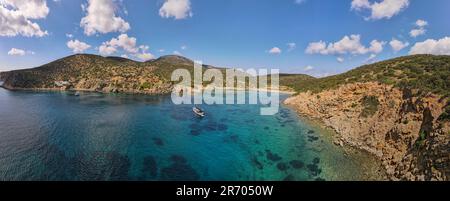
390 133
330 134
193 90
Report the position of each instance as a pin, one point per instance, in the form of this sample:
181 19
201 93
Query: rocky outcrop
397 126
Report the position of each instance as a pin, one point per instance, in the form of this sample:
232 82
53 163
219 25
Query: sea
58 136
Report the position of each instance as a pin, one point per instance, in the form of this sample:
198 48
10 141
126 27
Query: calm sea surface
59 136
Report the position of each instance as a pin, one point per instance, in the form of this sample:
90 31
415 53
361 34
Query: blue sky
231 33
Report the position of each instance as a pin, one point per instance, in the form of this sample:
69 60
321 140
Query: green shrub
370 104
146 85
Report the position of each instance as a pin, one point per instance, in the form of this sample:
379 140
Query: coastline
192 90
391 132
377 173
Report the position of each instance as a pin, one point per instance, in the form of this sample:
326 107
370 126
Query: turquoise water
59 136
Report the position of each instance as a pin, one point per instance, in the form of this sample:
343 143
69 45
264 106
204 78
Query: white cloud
308 68
124 56
128 44
420 28
178 9
291 46
371 58
360 4
77 46
16 16
161 50
184 47
421 23
177 53
16 52
417 32
347 45
101 18
340 59
431 46
275 50
380 9
69 35
145 56
376 46
398 45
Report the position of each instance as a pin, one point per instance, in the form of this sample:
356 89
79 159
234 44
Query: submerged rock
289 178
297 164
314 169
256 163
316 160
282 166
273 157
150 167
180 170
158 141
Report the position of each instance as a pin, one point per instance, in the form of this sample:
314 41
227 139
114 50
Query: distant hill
110 74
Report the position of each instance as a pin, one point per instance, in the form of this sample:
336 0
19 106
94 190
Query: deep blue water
59 136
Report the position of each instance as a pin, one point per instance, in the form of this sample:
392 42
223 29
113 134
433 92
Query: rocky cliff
404 124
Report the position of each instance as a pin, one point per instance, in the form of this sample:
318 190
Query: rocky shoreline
401 130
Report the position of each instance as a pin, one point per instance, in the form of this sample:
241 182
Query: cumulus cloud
397 45
77 46
16 52
101 18
124 42
275 50
178 9
380 9
127 44
420 28
16 17
431 46
308 68
340 59
376 46
347 45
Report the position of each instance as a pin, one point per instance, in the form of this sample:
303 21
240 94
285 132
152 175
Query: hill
425 73
109 74
97 73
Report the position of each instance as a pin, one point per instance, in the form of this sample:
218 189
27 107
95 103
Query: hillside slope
397 110
111 74
97 73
